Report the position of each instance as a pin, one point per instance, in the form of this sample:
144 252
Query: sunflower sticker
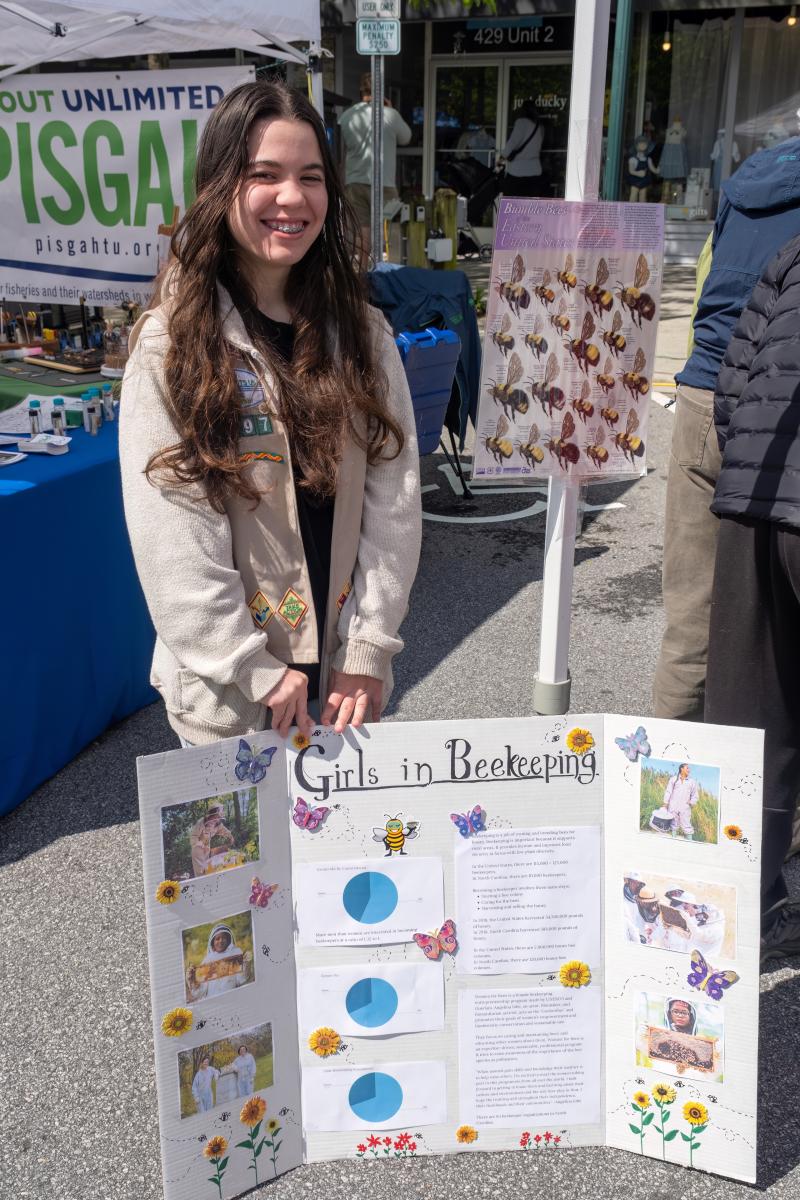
574 974
177 1022
168 891
579 741
323 1042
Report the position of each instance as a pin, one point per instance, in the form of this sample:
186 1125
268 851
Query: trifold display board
454 936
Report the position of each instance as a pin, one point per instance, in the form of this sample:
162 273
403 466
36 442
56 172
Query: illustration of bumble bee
499 446
560 320
566 277
544 292
613 338
640 303
595 293
532 453
548 396
596 451
610 416
502 338
606 381
515 295
561 447
634 381
581 404
630 445
534 341
585 353
395 834
510 398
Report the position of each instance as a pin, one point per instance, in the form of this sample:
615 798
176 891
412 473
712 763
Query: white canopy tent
74 30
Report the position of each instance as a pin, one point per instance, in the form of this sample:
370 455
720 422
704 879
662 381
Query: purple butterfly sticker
250 766
471 822
307 816
713 983
635 744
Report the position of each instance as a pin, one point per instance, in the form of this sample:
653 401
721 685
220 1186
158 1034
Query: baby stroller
477 186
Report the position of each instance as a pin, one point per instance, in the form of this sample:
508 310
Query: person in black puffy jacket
754 642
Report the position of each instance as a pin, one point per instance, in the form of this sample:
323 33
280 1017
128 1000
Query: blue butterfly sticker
252 767
471 822
635 744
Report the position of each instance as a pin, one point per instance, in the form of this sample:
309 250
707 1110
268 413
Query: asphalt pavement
78 1103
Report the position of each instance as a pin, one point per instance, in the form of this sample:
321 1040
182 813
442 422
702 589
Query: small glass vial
58 417
35 416
108 402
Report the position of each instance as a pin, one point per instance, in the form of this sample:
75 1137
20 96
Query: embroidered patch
292 608
250 388
260 456
260 609
346 590
254 425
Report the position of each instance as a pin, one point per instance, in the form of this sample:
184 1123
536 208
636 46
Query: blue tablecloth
77 638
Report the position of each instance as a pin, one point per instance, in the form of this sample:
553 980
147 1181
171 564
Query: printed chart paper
570 340
497 935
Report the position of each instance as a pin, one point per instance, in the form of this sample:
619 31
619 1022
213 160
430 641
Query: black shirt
314 513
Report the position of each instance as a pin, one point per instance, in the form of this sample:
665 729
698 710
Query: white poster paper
530 1055
372 1000
394 1094
528 900
367 904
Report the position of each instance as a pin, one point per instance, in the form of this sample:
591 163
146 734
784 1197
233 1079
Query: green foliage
704 814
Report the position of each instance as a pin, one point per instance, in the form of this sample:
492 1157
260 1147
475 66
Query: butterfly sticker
250 766
308 817
433 944
261 893
635 744
713 983
472 822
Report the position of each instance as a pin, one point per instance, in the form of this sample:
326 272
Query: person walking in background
754 636
524 175
356 126
760 211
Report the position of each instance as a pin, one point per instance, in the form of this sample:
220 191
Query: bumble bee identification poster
570 340
453 937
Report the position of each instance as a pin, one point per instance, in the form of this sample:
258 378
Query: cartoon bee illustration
581 404
640 303
502 338
534 341
630 445
529 450
606 382
515 295
566 277
510 398
544 292
596 294
499 446
610 416
633 381
395 834
585 353
613 338
596 451
559 320
561 447
549 397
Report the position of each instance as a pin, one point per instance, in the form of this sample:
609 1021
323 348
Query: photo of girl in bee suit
267 439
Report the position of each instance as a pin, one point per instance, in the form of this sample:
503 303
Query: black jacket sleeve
746 338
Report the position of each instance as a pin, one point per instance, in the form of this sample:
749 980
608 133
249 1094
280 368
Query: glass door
541 90
465 133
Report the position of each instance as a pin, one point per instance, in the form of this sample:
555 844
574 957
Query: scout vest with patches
267 543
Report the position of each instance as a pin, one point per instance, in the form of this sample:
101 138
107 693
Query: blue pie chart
375 1097
371 1002
370 897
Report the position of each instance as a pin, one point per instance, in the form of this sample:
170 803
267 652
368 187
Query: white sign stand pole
376 200
552 684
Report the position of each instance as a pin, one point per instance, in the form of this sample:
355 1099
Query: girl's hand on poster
352 699
289 704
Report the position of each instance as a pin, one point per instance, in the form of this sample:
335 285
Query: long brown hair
332 383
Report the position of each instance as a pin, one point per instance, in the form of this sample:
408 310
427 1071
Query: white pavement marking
533 510
665 400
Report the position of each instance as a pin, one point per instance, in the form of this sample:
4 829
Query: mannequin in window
641 170
716 159
674 164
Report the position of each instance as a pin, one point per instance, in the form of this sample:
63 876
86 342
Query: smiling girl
269 461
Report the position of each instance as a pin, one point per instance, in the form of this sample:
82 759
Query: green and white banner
90 166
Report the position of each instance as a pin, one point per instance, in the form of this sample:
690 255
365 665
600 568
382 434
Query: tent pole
114 25
314 69
551 689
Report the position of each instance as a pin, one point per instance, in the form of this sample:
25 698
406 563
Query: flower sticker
168 892
252 1114
324 1041
732 832
300 741
697 1116
466 1135
663 1096
177 1022
579 741
403 1146
214 1150
253 1111
574 974
640 1104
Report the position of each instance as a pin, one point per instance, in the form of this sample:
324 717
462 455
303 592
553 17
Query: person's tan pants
690 546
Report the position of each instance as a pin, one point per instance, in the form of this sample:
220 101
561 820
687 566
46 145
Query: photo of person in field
224 1072
679 800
